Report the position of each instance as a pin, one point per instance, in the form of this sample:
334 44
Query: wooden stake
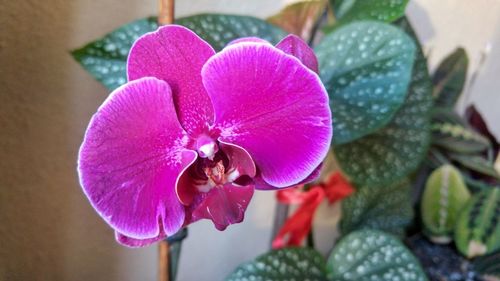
164 270
166 15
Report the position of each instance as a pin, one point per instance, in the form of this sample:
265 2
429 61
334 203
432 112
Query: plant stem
316 27
170 251
310 239
164 268
166 14
280 216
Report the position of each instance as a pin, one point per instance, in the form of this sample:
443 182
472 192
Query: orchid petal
248 40
176 54
296 47
271 105
130 157
223 205
239 159
136 243
260 184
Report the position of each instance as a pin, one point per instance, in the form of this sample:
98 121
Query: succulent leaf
444 197
477 231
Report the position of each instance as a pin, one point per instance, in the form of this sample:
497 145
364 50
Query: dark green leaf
449 78
488 265
386 208
477 231
476 185
281 265
436 158
368 255
450 132
396 150
106 58
476 163
381 10
447 115
366 69
456 138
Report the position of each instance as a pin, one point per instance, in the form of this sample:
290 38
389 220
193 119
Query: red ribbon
299 224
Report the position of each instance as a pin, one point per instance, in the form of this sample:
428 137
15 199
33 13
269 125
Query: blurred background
48 230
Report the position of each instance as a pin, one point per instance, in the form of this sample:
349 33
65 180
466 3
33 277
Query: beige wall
48 231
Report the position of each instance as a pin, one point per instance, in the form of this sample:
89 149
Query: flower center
220 166
215 174
214 169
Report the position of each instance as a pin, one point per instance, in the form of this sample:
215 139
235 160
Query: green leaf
444 196
449 78
284 264
396 150
476 163
366 69
219 29
367 255
488 265
477 231
456 138
449 132
381 10
476 185
106 58
364 209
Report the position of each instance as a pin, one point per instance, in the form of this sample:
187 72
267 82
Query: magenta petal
136 243
130 158
296 47
224 205
260 184
273 106
240 159
175 54
248 39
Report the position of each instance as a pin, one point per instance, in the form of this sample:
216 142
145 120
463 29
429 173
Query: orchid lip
230 164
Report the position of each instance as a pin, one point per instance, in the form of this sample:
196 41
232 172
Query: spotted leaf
106 58
396 150
381 10
363 209
366 69
371 255
283 265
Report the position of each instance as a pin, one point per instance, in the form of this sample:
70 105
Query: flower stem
170 251
164 270
316 27
166 14
280 216
310 239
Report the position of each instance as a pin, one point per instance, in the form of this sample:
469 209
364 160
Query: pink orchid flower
194 132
